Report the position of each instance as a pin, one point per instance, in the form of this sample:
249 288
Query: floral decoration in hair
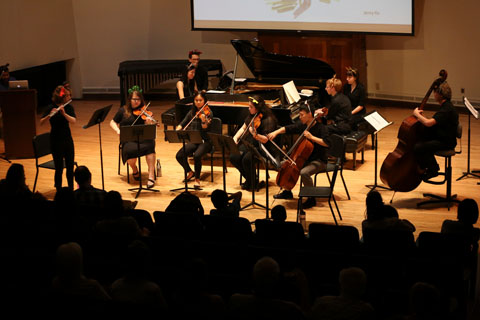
253 100
62 92
134 88
195 51
351 71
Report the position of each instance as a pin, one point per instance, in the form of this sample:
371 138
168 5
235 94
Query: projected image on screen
379 16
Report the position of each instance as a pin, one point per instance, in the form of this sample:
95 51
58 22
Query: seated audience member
86 194
279 213
116 223
192 298
223 207
263 304
70 280
186 202
467 215
349 304
134 287
425 303
13 187
383 217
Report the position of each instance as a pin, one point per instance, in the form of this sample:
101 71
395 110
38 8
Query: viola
400 169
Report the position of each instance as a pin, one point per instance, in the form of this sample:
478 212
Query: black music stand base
375 185
140 187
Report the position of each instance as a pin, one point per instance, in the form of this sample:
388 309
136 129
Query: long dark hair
260 105
128 107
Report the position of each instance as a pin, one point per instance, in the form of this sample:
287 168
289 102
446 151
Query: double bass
400 169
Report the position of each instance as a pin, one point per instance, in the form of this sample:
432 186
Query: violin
254 123
144 114
202 114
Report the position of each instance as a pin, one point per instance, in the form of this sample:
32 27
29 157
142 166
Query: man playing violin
257 124
440 132
60 115
317 161
198 118
130 150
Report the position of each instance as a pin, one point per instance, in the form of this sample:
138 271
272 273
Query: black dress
61 142
130 150
357 98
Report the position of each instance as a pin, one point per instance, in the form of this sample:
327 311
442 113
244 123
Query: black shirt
197 123
60 128
319 152
201 78
445 129
123 120
357 96
340 109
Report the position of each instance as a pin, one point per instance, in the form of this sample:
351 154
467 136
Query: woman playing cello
257 124
198 118
317 161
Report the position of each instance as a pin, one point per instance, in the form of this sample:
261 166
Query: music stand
97 118
258 156
136 134
221 142
475 114
193 136
378 123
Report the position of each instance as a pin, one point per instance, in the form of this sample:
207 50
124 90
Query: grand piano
271 71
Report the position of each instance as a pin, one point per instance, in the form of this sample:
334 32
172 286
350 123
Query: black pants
245 163
339 128
198 151
424 153
63 150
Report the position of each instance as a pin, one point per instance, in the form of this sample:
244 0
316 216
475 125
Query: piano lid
280 67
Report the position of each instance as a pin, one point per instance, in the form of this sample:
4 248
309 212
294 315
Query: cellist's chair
326 192
42 148
447 175
336 153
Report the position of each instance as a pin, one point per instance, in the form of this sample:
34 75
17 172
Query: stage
87 152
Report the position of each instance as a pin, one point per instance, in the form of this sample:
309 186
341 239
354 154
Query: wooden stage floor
87 152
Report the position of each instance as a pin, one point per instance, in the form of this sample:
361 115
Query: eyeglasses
136 99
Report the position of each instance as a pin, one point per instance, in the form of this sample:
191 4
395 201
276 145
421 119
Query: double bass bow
400 169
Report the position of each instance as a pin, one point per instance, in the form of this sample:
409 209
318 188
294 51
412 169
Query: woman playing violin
126 117
257 124
198 118
440 133
60 114
340 110
317 161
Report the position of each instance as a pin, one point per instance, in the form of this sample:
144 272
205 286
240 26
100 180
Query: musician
254 130
340 110
440 131
126 117
60 115
201 123
355 91
187 85
201 74
317 162
5 77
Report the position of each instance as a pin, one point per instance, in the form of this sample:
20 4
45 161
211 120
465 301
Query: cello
298 154
400 170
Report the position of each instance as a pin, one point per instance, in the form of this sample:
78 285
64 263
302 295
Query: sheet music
269 155
291 92
470 107
377 121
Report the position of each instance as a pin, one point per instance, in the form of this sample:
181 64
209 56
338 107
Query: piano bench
168 119
355 142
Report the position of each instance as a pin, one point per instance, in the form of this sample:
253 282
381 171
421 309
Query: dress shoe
285 194
309 203
430 173
189 176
